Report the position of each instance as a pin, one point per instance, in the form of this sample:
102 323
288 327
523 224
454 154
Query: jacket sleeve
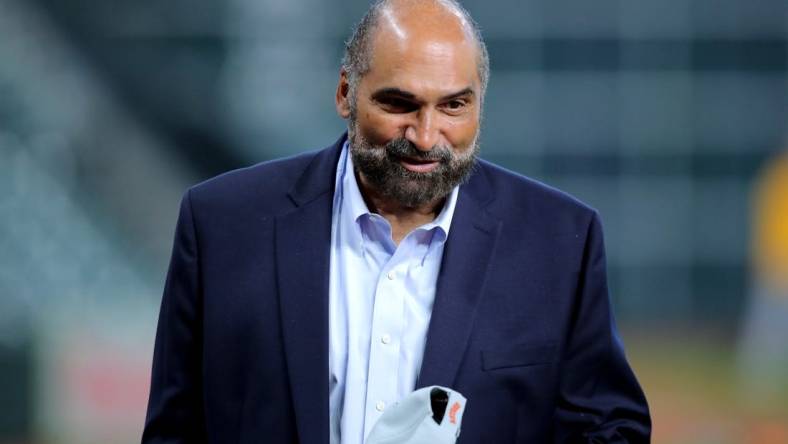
175 407
600 401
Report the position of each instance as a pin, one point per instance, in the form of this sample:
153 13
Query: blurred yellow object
771 225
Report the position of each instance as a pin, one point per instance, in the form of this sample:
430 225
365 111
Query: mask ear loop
439 400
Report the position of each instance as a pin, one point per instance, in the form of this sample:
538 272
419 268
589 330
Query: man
306 295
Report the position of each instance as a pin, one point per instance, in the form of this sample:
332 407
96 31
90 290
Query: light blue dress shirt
380 303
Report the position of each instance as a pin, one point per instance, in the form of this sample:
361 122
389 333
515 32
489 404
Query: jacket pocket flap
518 356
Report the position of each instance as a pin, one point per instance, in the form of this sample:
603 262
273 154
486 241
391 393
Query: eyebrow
396 92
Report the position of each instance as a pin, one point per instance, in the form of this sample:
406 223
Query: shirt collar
357 207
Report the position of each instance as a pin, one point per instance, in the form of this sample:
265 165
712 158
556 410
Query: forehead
427 56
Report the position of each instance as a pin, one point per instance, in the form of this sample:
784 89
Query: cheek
379 128
462 133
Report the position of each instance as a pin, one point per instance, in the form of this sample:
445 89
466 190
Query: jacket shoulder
519 196
264 185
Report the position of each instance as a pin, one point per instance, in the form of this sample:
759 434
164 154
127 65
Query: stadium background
669 117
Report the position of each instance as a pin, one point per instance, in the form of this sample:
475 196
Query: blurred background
670 117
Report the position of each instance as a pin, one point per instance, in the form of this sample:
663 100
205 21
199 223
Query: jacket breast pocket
519 356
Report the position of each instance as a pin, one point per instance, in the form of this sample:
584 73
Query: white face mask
431 415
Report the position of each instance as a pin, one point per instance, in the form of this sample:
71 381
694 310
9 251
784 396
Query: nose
423 133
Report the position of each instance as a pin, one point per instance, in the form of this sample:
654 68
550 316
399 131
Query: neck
402 219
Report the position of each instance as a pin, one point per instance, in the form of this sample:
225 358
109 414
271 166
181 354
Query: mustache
402 147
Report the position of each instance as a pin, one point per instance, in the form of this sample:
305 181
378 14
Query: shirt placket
385 340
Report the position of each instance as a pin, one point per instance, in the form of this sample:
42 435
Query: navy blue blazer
521 325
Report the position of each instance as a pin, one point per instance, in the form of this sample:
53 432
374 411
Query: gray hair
358 49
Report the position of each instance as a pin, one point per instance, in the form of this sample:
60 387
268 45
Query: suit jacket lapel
303 239
466 258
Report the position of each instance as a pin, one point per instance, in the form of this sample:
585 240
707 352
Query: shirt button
385 339
380 405
390 275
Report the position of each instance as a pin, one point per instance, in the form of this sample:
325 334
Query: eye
455 105
397 105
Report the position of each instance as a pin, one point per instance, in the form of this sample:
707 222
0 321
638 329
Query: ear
342 98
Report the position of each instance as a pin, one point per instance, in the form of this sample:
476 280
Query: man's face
414 120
